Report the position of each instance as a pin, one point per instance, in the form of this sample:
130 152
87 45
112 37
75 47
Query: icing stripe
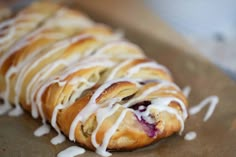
211 100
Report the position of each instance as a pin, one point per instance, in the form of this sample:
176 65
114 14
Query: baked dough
92 85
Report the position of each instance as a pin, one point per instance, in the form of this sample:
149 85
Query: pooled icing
190 136
42 130
71 152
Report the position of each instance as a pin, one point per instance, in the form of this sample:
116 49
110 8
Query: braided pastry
88 82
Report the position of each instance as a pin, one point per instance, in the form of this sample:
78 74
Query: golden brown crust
85 66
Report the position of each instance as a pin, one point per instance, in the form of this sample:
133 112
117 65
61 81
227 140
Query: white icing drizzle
41 75
42 130
9 35
12 24
6 23
18 111
137 67
160 85
14 29
53 22
59 138
186 91
92 105
117 68
71 152
211 100
6 105
44 85
26 69
113 44
102 148
190 136
161 104
101 115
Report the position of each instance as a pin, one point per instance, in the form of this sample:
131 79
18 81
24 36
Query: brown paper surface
216 137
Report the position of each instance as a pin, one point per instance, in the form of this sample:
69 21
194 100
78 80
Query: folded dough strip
24 22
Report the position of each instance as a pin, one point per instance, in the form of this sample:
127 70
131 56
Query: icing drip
42 130
190 136
186 91
17 111
211 100
59 138
71 152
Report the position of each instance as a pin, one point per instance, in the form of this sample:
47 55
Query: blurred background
209 25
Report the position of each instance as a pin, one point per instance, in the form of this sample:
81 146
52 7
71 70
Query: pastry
88 82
